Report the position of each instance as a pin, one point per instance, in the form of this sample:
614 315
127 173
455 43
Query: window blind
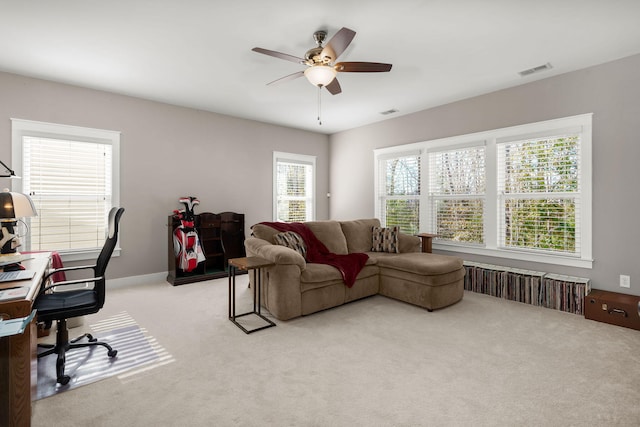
540 194
70 185
457 189
399 192
294 191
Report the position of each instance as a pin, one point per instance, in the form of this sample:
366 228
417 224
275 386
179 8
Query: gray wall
167 152
610 91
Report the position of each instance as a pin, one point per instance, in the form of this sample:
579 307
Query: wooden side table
427 240
246 264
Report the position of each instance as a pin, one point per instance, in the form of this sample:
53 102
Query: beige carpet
375 362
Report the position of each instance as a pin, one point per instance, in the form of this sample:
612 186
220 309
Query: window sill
516 255
90 255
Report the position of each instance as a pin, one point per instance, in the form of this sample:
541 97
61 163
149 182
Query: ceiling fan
320 61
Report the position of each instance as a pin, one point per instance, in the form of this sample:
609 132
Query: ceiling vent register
534 70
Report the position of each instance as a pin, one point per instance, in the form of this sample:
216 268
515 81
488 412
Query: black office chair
62 305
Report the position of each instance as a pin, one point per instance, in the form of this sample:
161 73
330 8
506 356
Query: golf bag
186 244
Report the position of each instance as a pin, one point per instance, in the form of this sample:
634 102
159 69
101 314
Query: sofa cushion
419 263
330 234
409 243
432 280
385 239
291 240
320 275
358 234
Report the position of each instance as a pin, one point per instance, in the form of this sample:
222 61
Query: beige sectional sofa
293 287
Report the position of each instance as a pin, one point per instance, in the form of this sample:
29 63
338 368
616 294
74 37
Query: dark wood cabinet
210 234
221 237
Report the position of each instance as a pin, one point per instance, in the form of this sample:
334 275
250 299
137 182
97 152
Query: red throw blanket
349 265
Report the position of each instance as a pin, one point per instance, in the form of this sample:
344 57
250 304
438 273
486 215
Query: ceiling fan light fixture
320 75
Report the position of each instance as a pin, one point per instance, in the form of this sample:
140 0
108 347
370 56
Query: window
457 193
293 187
539 193
398 191
71 174
522 192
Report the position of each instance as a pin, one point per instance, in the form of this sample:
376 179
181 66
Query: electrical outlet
625 281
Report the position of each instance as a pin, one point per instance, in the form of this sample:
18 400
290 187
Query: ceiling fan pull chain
319 105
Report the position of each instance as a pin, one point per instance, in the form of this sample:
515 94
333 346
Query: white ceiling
197 53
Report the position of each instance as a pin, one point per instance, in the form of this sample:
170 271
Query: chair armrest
63 269
70 282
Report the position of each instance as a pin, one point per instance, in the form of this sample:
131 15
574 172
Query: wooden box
614 308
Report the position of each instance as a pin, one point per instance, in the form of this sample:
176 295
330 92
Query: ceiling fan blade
280 55
334 87
288 77
338 43
362 67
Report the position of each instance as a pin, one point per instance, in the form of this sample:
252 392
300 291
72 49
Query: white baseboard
137 280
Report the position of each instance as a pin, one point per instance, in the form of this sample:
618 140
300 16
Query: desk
18 358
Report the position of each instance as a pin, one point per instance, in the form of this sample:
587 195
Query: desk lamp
13 206
9 172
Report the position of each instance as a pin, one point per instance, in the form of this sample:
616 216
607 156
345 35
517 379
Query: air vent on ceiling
537 69
391 111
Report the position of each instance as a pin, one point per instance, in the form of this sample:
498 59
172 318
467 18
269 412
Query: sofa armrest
408 243
280 282
275 253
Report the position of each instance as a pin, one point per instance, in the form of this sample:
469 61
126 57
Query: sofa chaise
293 287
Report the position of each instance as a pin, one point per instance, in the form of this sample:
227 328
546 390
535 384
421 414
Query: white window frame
21 128
580 123
302 159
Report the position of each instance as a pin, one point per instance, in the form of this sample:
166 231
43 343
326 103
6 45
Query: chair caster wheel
64 380
91 338
112 353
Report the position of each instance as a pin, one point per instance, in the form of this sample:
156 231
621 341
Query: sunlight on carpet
137 352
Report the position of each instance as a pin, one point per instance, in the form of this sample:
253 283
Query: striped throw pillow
385 239
291 240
